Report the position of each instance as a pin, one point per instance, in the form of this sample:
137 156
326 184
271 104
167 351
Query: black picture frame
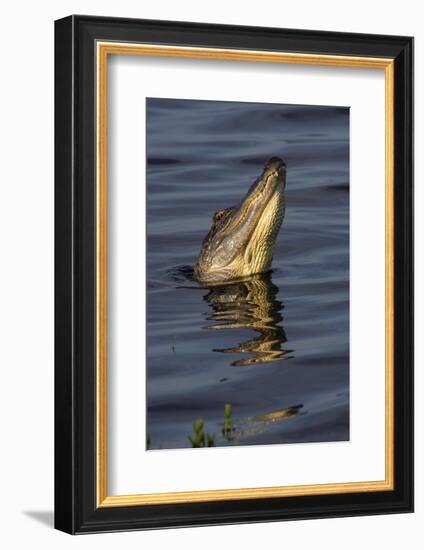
76 509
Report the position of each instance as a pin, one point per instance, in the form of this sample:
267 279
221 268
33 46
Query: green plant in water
200 437
228 427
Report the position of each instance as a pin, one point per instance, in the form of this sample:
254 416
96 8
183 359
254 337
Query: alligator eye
218 215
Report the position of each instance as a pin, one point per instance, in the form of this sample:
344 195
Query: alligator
241 241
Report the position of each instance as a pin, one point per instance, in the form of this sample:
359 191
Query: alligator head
241 241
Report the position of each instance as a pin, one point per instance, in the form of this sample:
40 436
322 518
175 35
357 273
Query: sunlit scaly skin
241 241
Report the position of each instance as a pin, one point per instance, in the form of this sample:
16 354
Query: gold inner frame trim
103 50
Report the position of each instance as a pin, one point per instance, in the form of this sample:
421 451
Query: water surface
275 347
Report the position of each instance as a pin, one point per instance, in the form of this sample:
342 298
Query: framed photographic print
233 274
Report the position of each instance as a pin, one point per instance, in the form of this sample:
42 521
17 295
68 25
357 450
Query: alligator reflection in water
250 303
261 423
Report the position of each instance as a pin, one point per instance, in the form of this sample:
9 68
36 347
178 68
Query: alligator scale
241 241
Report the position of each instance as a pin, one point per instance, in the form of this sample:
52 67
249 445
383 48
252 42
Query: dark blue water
274 347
